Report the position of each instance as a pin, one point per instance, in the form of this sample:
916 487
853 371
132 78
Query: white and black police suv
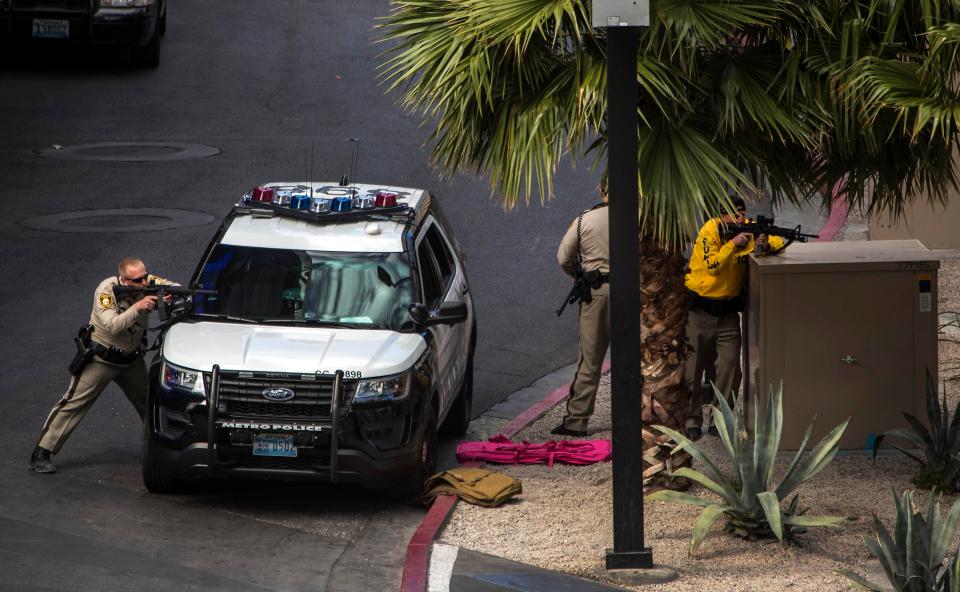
339 340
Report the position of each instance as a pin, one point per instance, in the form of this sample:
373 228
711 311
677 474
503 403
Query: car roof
329 232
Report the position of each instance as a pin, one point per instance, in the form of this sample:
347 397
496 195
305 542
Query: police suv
340 338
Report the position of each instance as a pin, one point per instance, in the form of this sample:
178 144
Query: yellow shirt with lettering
718 267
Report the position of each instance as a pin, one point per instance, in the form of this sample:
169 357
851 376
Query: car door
440 282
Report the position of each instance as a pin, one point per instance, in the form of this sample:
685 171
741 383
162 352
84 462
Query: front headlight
181 380
125 3
390 388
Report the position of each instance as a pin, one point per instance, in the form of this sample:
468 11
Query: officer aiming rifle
171 299
764 226
110 348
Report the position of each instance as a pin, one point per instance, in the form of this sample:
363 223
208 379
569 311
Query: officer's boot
40 461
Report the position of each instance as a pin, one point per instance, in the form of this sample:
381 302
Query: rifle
583 281
582 284
179 293
764 225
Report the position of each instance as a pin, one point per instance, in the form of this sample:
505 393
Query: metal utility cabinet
850 328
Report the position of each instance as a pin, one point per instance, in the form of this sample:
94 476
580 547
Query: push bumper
353 466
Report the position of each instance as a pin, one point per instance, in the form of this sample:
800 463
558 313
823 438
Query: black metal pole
627 379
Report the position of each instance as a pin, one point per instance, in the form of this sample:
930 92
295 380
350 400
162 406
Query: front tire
411 488
153 478
148 56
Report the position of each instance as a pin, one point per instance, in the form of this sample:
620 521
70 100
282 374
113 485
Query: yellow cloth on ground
473 485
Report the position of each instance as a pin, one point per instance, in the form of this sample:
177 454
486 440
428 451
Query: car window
366 290
441 253
429 275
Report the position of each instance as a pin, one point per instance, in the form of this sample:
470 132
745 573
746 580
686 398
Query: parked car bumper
107 26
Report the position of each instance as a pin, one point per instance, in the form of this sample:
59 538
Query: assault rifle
164 310
764 225
582 284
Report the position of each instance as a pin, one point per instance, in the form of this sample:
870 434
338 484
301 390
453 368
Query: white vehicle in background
340 337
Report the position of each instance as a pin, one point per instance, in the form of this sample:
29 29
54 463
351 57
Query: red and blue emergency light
299 201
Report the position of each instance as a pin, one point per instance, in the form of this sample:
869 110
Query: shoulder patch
105 300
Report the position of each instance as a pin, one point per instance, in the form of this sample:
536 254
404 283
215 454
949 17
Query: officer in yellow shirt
718 267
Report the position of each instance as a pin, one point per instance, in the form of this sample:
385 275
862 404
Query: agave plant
940 444
913 557
751 505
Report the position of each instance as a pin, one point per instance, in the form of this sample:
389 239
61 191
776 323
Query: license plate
273 445
51 28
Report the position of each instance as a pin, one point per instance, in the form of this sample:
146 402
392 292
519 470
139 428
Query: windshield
366 290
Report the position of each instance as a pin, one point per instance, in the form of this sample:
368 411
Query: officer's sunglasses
138 280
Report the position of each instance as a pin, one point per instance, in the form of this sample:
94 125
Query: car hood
305 350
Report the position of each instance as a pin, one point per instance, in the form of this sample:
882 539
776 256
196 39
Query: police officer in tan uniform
117 340
588 239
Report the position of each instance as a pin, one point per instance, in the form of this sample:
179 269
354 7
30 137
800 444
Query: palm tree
788 95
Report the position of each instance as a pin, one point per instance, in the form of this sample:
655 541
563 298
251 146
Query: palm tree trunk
663 319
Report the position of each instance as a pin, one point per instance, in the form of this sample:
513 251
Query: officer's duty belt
717 307
113 355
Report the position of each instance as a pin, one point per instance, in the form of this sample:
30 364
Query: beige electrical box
850 328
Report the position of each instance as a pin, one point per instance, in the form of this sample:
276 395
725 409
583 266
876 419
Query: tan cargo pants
594 340
714 339
83 392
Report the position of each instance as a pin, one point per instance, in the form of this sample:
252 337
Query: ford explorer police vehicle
340 338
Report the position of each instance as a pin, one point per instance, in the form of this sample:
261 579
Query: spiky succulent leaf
771 509
706 519
709 468
861 581
766 443
818 458
811 521
677 497
698 477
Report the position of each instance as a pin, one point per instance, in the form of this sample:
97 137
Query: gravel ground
563 520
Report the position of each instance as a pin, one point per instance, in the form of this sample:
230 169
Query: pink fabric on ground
499 449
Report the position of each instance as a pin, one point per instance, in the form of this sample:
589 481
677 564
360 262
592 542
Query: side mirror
419 313
450 313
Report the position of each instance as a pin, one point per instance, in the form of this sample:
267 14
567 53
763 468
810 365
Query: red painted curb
838 217
415 566
418 550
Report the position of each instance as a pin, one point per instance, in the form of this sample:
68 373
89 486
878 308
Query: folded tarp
502 450
474 485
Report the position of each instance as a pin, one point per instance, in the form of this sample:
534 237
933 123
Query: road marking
442 558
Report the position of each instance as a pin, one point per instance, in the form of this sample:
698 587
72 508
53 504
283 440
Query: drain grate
129 151
118 220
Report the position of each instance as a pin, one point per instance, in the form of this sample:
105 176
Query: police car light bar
298 201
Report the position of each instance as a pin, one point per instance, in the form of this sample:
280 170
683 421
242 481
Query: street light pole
628 550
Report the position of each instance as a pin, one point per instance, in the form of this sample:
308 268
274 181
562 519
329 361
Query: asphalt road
259 80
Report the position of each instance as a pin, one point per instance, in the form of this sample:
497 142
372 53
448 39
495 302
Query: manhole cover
130 151
118 220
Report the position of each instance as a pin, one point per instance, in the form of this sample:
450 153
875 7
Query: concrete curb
415 567
838 217
415 576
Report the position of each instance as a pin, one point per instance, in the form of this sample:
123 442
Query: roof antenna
356 158
306 165
311 169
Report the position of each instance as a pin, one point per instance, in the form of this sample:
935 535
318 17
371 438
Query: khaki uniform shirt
115 322
594 243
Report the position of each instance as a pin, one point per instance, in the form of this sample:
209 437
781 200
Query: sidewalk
436 565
